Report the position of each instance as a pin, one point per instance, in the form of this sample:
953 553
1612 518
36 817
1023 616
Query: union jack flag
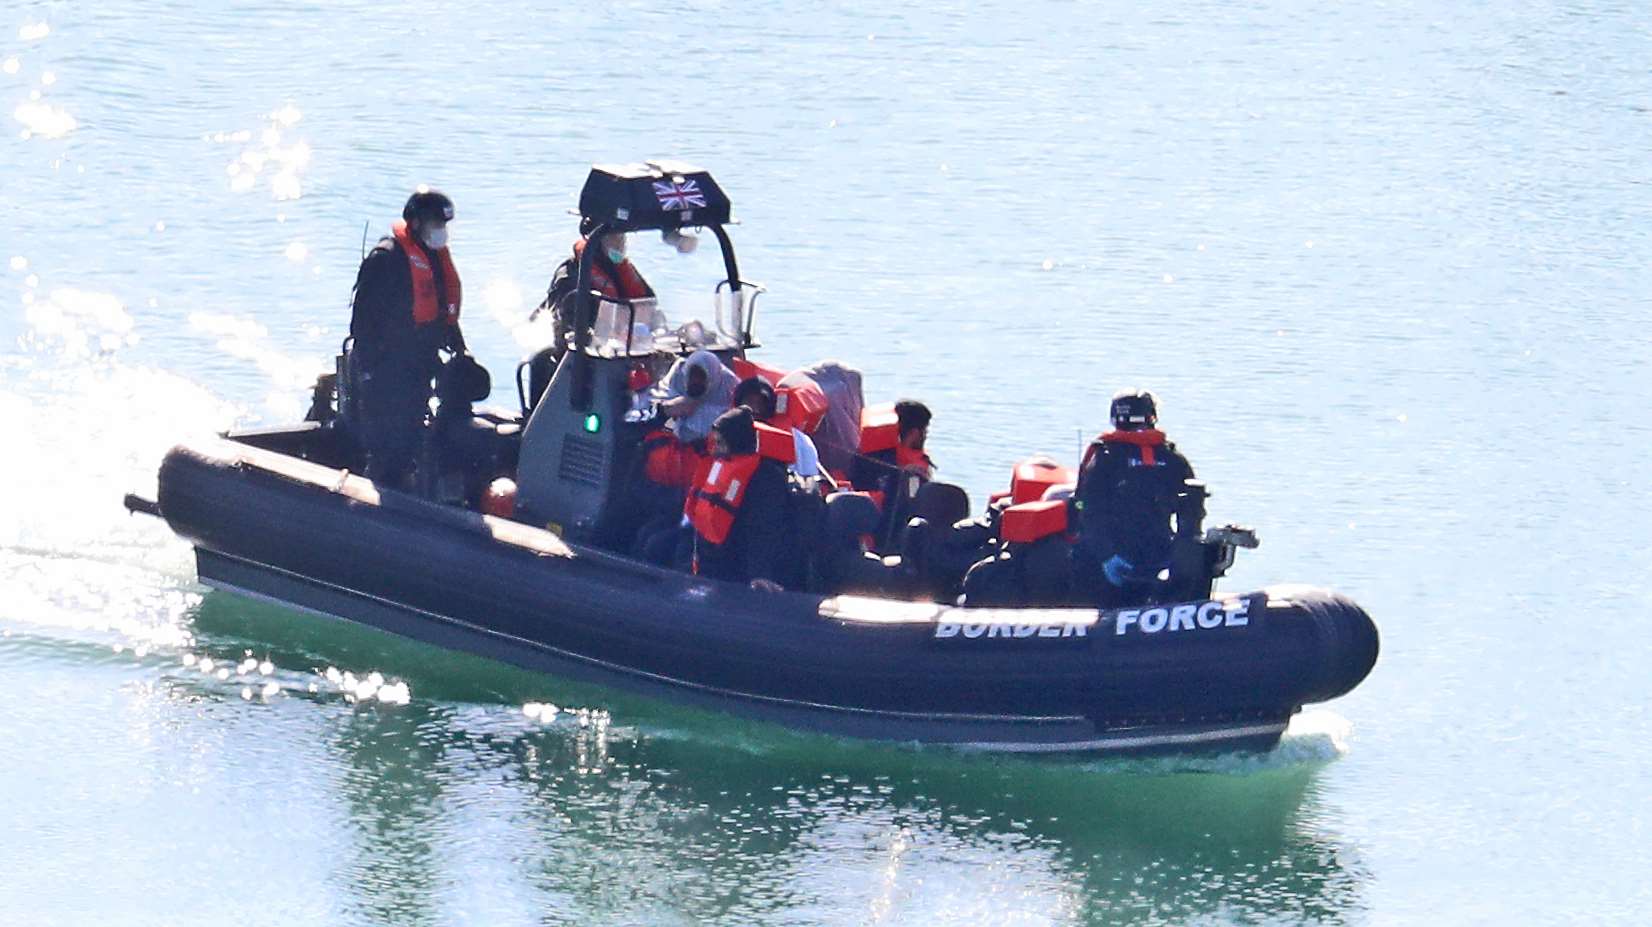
678 195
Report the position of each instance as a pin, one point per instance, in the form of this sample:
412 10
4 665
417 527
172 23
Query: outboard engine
1199 557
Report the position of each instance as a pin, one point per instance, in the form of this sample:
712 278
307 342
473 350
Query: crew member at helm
738 508
1126 496
612 274
405 310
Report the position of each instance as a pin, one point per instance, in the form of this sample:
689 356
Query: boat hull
1220 674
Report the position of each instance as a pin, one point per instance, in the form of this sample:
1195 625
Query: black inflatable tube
274 526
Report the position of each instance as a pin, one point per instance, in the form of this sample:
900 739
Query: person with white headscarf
697 390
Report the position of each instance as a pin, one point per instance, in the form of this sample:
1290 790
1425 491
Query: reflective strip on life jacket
716 500
776 444
426 307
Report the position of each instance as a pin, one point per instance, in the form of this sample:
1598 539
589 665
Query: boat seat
927 534
850 515
941 503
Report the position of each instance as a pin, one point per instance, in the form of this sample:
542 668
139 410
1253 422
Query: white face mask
436 237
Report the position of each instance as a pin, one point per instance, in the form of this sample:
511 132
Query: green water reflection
642 813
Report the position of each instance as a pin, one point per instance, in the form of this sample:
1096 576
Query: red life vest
803 405
909 458
776 443
1029 521
880 429
1145 440
715 502
1032 477
427 306
629 286
667 461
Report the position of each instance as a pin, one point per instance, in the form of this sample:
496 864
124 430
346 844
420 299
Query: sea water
1383 264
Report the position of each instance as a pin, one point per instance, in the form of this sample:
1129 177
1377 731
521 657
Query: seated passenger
755 394
612 274
697 389
1127 490
884 471
738 508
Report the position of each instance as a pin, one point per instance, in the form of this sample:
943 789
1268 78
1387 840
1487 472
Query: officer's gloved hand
1118 570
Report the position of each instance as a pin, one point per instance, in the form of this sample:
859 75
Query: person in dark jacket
738 510
406 309
756 394
612 274
894 474
1126 495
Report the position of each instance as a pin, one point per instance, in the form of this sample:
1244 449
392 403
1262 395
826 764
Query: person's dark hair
426 204
755 386
586 224
1134 410
911 414
738 430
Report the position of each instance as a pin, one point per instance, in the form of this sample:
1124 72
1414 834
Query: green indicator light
593 423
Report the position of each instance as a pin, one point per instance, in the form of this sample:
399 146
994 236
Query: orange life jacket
1145 440
715 502
1032 477
427 306
745 368
630 284
667 461
880 429
776 443
803 405
1029 521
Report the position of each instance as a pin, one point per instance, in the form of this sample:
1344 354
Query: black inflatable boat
280 514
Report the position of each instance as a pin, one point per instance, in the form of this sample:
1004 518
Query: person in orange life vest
738 508
696 390
612 274
756 394
884 471
1126 495
405 310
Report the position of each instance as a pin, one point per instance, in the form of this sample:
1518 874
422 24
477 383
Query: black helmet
1134 409
426 205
